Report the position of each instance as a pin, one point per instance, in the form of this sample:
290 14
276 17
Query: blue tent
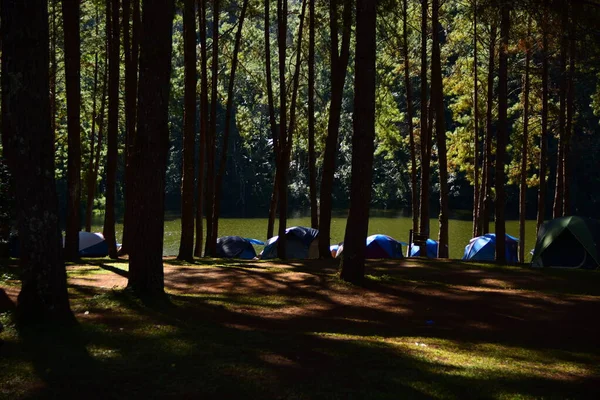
483 248
380 246
432 249
237 247
301 243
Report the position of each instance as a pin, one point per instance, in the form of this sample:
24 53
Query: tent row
567 242
303 243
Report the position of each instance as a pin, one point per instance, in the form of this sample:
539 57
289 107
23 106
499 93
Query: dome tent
568 242
432 249
301 243
483 248
380 246
237 247
92 245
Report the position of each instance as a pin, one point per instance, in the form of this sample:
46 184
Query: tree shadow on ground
257 331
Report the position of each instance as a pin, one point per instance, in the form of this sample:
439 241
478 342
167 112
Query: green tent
568 242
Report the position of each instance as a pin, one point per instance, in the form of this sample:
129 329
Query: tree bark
353 259
544 135
339 66
437 90
186 244
211 240
151 146
130 45
90 179
72 77
487 164
113 126
476 161
312 160
28 145
93 179
502 139
282 7
228 117
203 126
409 117
272 123
425 137
524 147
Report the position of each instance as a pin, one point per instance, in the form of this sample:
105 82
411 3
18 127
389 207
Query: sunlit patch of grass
9 272
76 271
484 362
385 278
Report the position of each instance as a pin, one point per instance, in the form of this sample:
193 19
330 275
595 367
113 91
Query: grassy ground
419 329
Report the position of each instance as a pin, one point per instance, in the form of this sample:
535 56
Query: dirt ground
438 298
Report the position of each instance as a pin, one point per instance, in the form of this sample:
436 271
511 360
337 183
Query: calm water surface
394 226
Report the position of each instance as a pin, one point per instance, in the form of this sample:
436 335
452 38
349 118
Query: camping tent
301 242
92 245
483 248
236 247
569 242
432 249
380 246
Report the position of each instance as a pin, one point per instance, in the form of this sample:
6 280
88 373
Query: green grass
210 344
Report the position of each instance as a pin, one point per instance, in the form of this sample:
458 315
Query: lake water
394 226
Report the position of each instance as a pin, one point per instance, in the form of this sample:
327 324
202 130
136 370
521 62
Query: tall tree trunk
186 244
544 135
312 160
353 260
425 137
409 117
28 146
90 184
93 178
339 65
502 139
557 210
113 125
569 122
211 240
437 94
130 46
487 163
151 146
228 117
203 126
282 7
524 146
272 123
72 77
476 161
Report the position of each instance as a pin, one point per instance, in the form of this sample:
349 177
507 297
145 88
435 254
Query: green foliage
249 177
